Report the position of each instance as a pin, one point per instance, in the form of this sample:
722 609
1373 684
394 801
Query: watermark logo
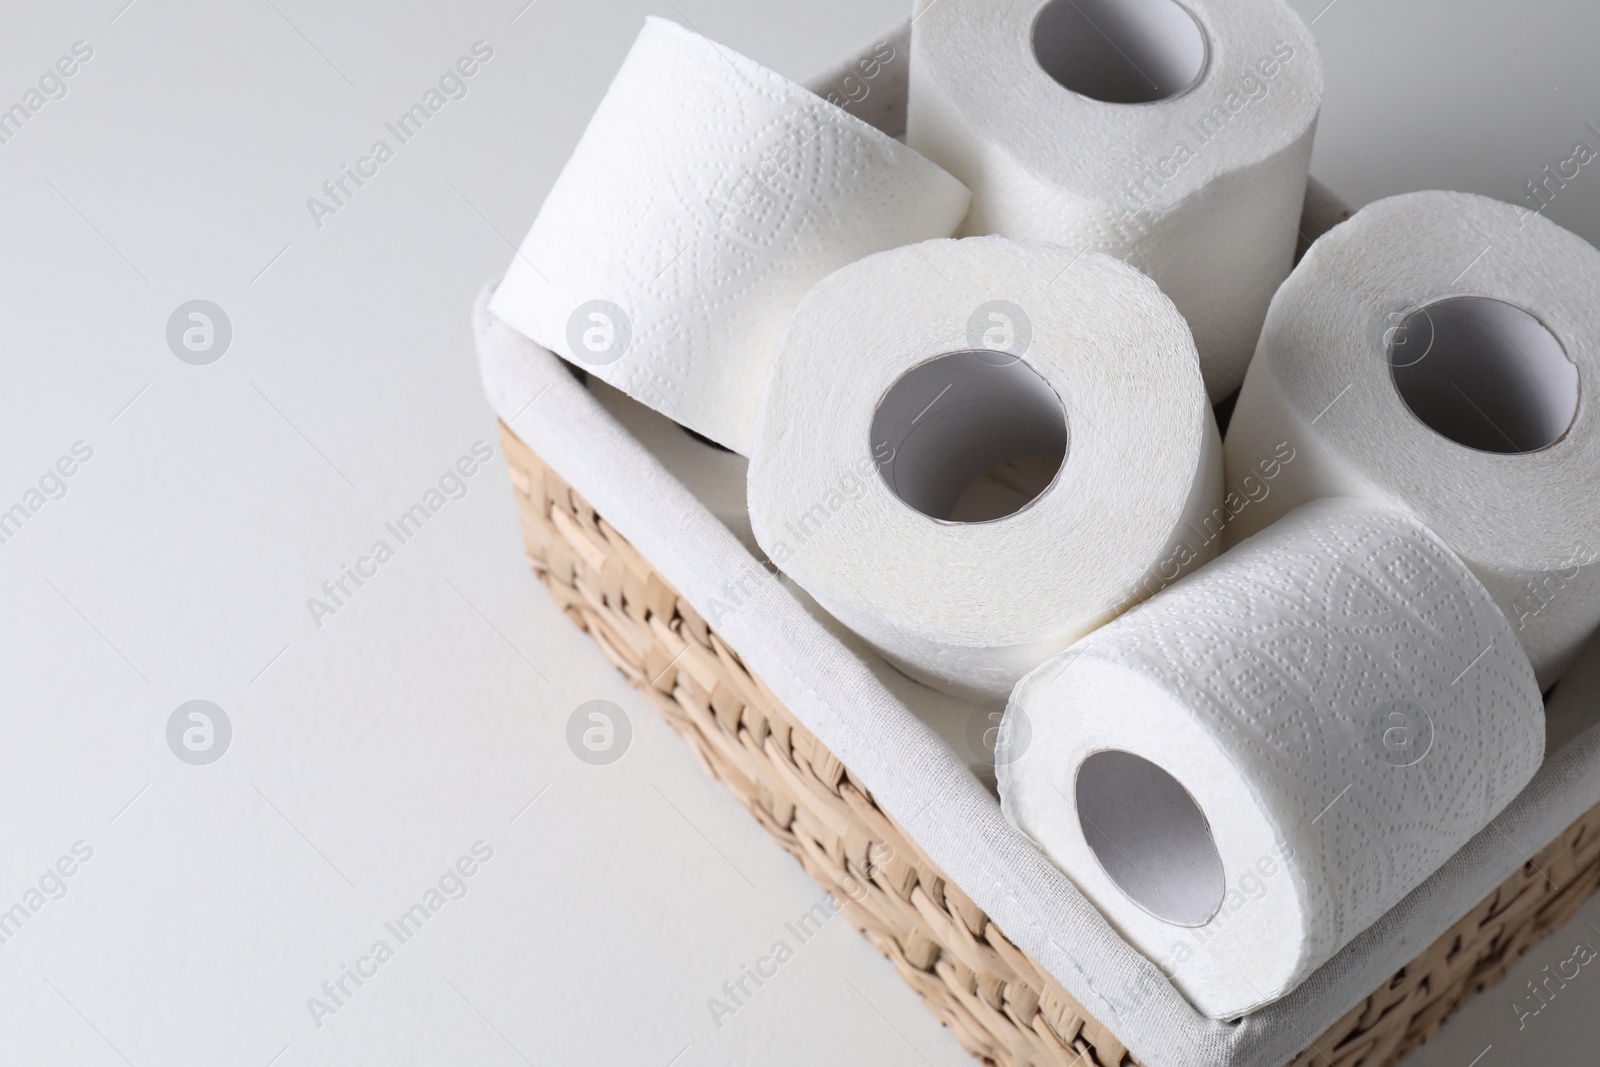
199 732
1399 733
999 326
598 332
598 732
998 735
1409 338
199 332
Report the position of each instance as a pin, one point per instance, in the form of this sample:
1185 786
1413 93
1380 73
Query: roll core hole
1485 374
1120 51
1150 837
971 436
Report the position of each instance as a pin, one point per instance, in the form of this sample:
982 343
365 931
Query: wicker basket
1001 1006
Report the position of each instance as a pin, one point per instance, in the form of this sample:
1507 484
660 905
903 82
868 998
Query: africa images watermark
1541 191
338 591
738 991
1248 888
339 190
1253 489
51 486
1543 990
1543 590
52 886
856 85
850 485
1131 222
52 85
1398 733
337 992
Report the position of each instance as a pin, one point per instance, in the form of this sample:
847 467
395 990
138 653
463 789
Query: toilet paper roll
1173 136
1247 770
705 197
974 452
1441 351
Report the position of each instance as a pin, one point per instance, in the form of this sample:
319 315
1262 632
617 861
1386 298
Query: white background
368 754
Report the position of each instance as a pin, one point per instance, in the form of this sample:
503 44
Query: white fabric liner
921 781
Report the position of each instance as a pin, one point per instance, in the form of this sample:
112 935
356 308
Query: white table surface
371 752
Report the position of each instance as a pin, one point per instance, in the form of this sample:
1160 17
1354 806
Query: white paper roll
1247 770
904 379
1174 137
705 197
1414 356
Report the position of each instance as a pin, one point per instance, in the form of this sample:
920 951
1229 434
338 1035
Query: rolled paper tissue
705 197
974 452
1247 770
1441 352
1174 136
